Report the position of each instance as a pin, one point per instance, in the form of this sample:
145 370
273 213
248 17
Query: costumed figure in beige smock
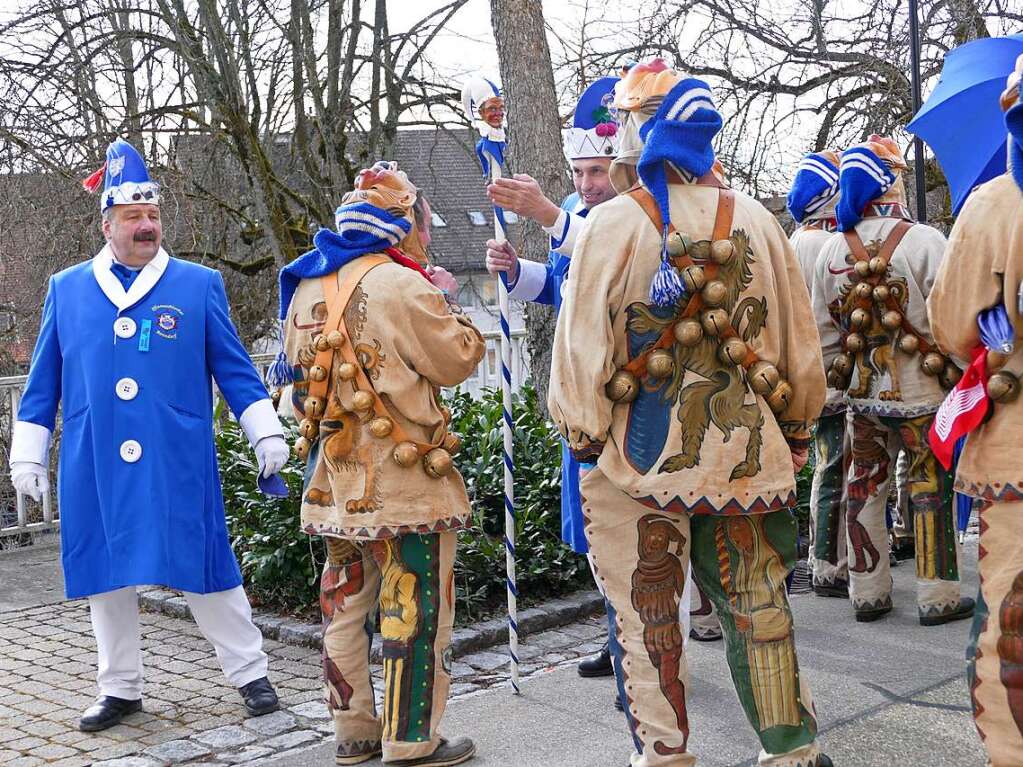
686 379
869 293
984 269
370 340
812 201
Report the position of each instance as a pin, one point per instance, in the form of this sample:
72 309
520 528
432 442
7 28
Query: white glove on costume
271 455
30 479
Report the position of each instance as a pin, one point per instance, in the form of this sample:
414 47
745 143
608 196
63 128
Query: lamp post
918 144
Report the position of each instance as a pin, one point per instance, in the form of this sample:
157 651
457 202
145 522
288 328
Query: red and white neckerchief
963 410
402 260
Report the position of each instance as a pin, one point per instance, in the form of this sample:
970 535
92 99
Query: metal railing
21 516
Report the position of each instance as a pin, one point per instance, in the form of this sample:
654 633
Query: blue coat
545 284
139 490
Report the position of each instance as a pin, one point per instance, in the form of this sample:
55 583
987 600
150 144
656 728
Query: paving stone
177 751
271 724
128 761
246 755
52 751
462 689
291 740
460 669
486 661
227 737
312 710
25 761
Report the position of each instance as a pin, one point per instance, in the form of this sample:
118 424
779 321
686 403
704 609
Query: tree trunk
534 143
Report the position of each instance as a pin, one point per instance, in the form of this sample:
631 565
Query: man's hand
501 257
30 479
799 459
271 455
443 280
522 195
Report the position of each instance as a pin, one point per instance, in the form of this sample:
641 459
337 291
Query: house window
511 218
6 321
489 293
437 221
477 218
467 294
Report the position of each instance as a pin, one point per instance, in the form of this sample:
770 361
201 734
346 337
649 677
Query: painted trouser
828 561
995 655
741 563
876 441
411 579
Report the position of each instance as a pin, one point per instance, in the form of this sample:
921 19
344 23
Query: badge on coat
168 320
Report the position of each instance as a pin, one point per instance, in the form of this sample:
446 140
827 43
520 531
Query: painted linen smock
545 284
132 359
664 448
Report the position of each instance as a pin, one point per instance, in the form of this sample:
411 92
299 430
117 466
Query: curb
464 641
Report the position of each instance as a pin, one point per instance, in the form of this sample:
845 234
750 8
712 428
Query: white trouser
224 617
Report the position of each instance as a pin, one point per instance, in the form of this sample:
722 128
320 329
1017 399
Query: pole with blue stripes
477 93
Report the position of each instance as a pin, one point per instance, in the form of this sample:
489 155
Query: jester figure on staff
484 106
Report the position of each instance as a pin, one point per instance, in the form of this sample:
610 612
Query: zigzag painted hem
761 505
365 533
892 409
996 491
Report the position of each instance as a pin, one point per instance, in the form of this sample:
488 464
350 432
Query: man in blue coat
130 342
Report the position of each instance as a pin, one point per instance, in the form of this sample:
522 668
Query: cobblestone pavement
191 714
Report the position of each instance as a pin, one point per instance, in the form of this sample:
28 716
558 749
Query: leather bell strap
859 252
338 297
722 231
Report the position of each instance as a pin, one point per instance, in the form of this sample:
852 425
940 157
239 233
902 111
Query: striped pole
509 466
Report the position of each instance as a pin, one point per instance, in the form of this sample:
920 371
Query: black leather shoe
598 665
964 610
448 753
618 703
106 712
839 589
824 761
260 697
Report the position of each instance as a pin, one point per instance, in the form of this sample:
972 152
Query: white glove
30 479
271 455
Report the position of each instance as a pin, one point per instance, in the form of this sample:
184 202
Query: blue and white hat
125 178
815 185
679 134
594 131
863 177
475 93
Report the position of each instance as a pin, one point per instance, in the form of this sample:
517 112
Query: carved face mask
384 186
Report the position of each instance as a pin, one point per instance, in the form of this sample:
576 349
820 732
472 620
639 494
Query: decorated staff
484 106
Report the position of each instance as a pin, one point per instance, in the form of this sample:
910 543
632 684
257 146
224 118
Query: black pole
918 145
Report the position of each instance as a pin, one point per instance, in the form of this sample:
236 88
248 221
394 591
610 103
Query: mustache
145 237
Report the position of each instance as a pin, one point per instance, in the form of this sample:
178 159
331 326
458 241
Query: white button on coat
124 327
127 389
131 451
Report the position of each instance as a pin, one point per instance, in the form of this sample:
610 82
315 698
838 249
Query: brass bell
950 376
779 399
335 339
437 463
313 407
859 319
688 332
909 344
732 351
855 343
381 426
862 269
677 244
881 294
933 363
878 264
763 377
714 293
891 320
1003 387
275 398
843 365
837 381
405 454
302 448
317 373
623 387
309 428
660 364
362 400
445 413
693 278
862 290
721 251
995 360
714 321
321 343
452 443
346 371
